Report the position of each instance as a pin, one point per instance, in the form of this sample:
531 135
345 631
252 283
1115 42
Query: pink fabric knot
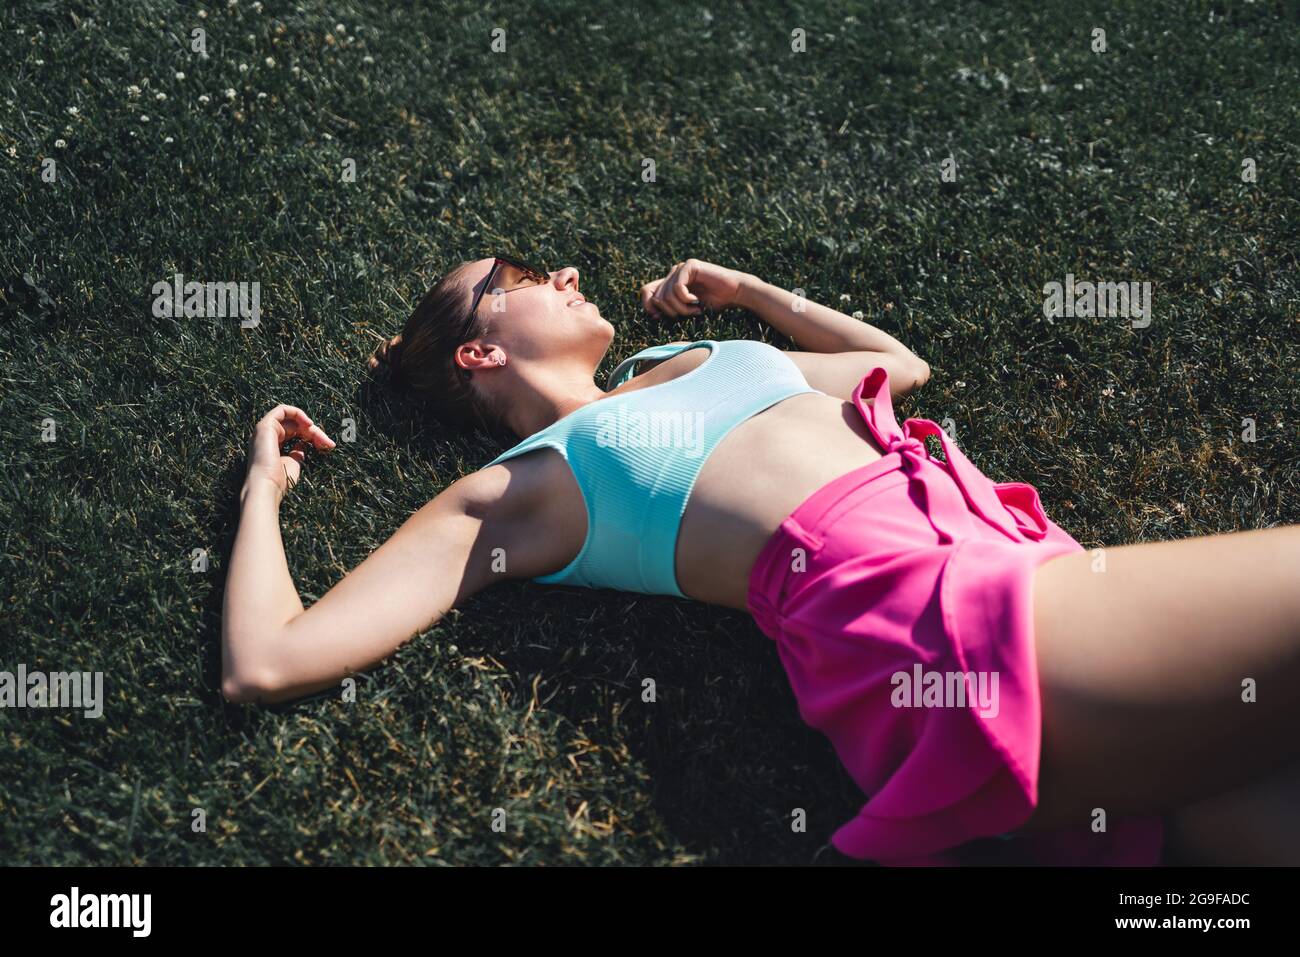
905 445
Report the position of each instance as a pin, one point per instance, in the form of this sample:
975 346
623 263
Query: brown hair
420 366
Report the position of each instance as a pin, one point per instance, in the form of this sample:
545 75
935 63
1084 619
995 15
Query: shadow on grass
693 693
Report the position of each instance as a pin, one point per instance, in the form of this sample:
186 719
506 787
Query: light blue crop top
636 456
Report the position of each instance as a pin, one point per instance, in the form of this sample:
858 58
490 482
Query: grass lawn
819 170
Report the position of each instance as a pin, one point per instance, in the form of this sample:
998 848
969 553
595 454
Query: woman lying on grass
978 673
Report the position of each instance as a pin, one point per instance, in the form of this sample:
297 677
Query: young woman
978 672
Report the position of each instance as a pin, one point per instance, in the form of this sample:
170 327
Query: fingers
671 296
680 294
319 439
661 300
648 297
290 422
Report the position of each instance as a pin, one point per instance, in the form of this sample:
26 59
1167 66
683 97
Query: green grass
818 170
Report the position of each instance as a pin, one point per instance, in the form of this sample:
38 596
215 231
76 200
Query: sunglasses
506 274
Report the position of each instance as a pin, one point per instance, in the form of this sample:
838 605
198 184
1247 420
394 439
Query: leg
1141 668
1258 824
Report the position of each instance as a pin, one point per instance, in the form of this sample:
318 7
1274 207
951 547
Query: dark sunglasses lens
509 276
522 273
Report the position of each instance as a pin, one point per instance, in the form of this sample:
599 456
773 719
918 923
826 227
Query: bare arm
840 349
274 650
814 327
838 373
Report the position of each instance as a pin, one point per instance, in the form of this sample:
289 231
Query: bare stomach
761 472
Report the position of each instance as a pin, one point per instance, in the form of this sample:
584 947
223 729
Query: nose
564 278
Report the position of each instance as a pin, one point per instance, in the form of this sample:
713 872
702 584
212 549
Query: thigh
1142 655
1258 824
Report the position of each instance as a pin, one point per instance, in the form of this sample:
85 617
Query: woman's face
535 321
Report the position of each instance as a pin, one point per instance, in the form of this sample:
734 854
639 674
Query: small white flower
160 96
859 315
340 28
40 63
230 93
180 75
133 91
295 70
60 144
203 14
232 3
144 117
12 151
844 297
961 384
243 68
257 7
203 98
73 111
168 139
270 61
367 59
261 96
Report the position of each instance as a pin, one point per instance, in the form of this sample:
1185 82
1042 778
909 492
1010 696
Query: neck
539 398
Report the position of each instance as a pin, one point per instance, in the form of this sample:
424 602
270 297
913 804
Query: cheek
531 313
551 320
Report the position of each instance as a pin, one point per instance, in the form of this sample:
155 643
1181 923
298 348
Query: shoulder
518 508
529 505
513 483
509 493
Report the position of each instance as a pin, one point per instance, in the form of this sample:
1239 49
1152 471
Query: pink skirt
900 600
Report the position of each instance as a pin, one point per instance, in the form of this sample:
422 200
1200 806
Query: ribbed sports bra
636 456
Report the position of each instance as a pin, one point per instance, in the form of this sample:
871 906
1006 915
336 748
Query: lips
577 301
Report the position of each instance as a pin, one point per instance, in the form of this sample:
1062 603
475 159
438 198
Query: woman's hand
282 424
689 286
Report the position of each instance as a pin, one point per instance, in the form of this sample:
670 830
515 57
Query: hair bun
388 353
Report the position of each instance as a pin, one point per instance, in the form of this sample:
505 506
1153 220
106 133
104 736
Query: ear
477 355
